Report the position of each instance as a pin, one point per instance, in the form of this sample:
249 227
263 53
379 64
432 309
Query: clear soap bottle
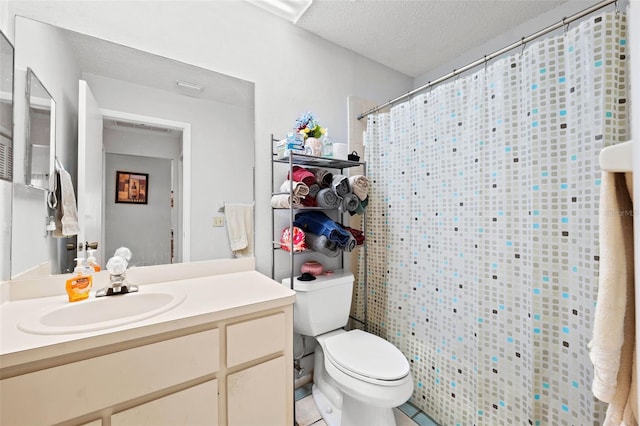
79 285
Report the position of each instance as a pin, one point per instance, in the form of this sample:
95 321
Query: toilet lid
366 355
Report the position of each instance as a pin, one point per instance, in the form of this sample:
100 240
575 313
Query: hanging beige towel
66 213
239 218
612 348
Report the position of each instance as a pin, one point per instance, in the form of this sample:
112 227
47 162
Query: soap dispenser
92 262
79 285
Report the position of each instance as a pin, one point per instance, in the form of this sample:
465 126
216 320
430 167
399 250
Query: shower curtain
483 229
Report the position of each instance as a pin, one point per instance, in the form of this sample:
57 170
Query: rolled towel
323 177
300 174
359 186
300 189
350 245
349 203
327 199
283 201
314 189
319 223
309 201
361 207
299 238
340 184
321 244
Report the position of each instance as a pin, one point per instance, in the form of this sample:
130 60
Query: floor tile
424 420
306 412
402 419
303 391
409 409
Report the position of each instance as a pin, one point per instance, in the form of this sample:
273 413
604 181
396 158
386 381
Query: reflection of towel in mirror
341 185
322 245
359 186
66 210
349 203
239 218
327 199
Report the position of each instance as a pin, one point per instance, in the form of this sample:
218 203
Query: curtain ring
565 26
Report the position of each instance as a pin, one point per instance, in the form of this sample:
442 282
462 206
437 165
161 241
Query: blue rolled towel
320 224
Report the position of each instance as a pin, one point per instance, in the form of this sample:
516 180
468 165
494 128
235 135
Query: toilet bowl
359 378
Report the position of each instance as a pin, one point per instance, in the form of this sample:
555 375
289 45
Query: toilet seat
366 357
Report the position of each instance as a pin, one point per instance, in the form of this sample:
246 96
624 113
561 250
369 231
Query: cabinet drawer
74 389
255 338
197 405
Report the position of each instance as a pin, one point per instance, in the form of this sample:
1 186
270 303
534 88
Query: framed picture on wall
132 187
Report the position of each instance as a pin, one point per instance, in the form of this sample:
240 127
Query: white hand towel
613 343
239 218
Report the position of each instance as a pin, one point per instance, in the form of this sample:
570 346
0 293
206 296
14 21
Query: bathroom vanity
222 356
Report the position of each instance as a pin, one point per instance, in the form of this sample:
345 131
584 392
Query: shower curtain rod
565 21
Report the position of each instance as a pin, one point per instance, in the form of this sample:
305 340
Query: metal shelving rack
311 161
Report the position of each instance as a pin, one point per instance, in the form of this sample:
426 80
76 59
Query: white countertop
208 299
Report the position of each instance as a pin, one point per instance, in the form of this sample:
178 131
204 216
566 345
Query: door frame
185 169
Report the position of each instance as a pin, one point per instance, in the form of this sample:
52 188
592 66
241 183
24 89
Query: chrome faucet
117 267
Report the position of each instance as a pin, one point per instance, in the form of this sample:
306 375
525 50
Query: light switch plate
218 221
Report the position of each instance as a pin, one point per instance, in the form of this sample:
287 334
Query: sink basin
101 313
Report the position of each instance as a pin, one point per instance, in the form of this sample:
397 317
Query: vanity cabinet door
257 396
197 405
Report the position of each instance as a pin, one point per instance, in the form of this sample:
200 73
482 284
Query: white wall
294 71
54 65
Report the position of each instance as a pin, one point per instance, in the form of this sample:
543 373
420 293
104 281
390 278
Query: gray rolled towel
313 190
349 203
340 184
321 244
351 244
327 199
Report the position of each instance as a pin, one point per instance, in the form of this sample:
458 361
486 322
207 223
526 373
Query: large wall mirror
6 108
40 132
188 130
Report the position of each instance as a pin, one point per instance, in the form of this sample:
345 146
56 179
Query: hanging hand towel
612 347
66 210
359 186
239 218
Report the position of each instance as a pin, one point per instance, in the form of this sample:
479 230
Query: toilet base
330 414
354 412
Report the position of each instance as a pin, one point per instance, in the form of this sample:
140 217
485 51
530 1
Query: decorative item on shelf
298 239
353 156
312 267
308 126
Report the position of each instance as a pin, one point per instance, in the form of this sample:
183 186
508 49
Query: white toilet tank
322 305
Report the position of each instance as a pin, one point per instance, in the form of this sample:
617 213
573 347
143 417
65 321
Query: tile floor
307 414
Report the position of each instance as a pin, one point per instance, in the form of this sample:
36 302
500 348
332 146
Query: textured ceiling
416 36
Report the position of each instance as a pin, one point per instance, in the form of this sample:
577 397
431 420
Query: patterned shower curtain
483 229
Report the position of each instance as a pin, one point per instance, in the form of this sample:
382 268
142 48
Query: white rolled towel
300 189
359 186
283 201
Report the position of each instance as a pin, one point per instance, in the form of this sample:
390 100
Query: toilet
358 377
